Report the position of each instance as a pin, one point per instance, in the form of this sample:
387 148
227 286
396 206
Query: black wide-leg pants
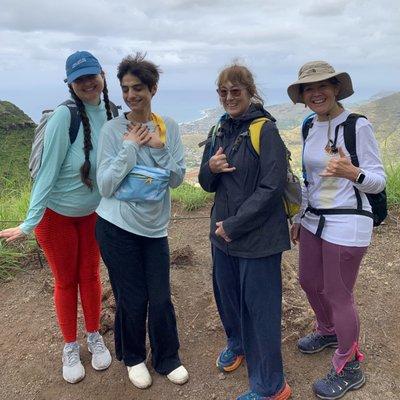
139 268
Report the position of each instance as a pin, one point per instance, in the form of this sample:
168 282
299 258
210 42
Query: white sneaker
101 357
139 375
73 370
179 375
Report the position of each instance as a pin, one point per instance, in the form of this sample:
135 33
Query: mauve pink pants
327 274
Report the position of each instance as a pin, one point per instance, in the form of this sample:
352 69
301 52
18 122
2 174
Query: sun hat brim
345 90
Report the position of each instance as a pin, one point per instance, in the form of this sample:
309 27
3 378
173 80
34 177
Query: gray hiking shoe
73 370
315 342
336 385
101 357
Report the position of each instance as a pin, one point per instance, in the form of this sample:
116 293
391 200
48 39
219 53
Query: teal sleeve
171 156
56 145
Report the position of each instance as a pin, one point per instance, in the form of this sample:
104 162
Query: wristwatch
360 177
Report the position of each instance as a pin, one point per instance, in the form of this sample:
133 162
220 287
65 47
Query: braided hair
87 139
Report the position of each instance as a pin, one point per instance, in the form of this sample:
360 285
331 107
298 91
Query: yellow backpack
292 191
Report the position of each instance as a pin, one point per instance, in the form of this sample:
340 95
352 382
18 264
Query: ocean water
181 105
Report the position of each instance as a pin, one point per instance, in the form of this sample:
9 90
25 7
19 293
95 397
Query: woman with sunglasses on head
248 234
61 211
332 230
132 234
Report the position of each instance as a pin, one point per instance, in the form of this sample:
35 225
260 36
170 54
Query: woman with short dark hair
132 234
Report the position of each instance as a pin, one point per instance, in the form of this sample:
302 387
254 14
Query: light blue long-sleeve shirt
116 157
58 185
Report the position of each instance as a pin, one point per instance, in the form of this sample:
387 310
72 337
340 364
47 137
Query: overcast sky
192 41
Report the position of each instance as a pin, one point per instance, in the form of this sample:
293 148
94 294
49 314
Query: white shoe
139 375
101 357
73 370
179 375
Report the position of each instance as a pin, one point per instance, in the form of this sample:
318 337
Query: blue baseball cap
81 63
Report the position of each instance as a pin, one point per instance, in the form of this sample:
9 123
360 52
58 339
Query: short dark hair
146 71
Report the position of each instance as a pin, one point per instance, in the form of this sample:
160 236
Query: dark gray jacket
248 200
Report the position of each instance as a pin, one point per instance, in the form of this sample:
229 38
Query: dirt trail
30 345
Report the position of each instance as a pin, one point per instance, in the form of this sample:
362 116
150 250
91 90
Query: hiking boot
101 357
283 394
139 375
315 342
335 385
228 361
73 370
179 375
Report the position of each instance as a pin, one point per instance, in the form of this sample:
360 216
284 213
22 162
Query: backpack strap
305 128
255 132
159 122
349 136
215 131
75 119
114 109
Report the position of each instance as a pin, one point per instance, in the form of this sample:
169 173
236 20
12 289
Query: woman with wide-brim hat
333 238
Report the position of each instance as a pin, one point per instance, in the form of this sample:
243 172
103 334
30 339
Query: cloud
326 8
192 40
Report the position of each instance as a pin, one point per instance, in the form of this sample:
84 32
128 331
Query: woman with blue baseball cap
61 211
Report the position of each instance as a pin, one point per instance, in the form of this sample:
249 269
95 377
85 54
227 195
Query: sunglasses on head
234 92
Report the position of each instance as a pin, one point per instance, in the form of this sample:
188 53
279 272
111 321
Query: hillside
16 133
384 113
12 118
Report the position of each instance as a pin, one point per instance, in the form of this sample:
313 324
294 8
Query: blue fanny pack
143 184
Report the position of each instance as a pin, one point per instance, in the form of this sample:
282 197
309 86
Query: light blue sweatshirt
58 184
116 157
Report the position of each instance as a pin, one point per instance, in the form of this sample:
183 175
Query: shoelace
228 354
72 355
315 335
333 376
255 396
98 345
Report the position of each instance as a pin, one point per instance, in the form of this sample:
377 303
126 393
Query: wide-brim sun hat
317 71
81 63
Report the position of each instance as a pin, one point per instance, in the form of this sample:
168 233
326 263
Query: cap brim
83 71
346 86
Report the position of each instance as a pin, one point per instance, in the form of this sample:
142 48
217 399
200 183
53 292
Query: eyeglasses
234 92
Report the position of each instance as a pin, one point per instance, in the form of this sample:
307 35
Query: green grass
393 184
191 197
14 201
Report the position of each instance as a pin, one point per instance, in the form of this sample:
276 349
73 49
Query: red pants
73 255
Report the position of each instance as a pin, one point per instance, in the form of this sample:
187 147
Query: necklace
330 146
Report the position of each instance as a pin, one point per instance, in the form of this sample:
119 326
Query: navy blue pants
139 268
248 293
